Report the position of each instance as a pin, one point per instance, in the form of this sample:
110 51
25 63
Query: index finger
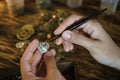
70 20
30 50
25 60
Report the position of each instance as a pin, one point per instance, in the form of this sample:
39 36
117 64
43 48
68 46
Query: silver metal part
43 47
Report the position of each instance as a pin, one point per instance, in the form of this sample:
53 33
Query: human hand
30 60
92 36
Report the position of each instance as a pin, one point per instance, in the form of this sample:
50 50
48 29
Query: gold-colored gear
25 32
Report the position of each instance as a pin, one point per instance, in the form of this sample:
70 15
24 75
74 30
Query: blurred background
21 21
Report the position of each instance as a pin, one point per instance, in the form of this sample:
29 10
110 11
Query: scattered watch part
48 36
42 14
22 44
54 16
60 20
25 32
22 50
43 47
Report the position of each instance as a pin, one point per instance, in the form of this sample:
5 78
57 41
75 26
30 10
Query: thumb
78 39
50 60
52 71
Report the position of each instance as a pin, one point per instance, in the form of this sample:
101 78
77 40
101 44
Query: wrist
116 65
116 62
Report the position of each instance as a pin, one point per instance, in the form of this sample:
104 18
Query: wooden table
86 66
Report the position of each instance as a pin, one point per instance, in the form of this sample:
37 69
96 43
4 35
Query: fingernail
58 41
66 35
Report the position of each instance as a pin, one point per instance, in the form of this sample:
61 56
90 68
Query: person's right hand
92 36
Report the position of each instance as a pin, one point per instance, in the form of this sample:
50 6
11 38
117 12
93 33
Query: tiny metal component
53 16
43 47
25 32
60 19
42 14
20 45
48 36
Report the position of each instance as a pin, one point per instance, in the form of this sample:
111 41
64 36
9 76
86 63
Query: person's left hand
30 60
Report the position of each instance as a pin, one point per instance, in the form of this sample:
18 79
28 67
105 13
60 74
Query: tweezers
78 24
